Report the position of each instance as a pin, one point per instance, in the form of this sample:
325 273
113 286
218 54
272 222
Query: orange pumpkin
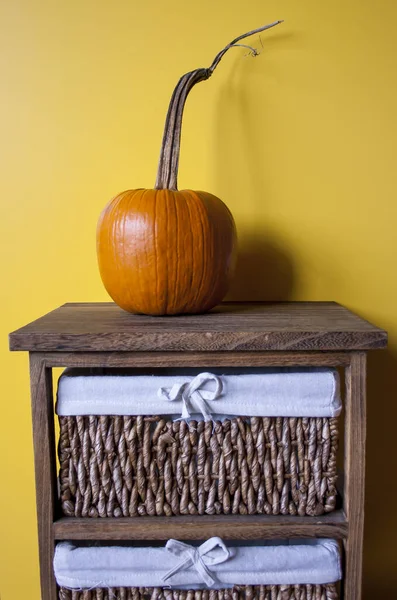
166 252
162 251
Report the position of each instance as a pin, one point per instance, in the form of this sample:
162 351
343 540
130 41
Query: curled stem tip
234 42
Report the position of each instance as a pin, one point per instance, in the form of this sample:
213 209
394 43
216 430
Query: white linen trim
283 392
311 561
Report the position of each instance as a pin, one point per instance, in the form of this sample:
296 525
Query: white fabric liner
314 561
302 392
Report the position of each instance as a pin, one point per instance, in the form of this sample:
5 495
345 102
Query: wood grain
195 359
232 327
44 459
231 527
355 433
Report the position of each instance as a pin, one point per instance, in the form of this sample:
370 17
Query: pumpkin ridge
177 274
162 302
192 250
131 201
134 300
152 207
123 231
203 214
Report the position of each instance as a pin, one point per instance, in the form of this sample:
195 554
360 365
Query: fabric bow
199 558
193 395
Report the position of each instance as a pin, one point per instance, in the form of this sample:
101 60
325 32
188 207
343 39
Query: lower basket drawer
301 570
257 592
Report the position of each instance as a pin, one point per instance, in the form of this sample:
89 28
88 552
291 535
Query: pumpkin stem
167 173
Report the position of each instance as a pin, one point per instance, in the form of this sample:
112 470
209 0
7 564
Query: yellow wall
300 143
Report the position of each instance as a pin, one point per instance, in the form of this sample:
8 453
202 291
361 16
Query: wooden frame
346 524
234 335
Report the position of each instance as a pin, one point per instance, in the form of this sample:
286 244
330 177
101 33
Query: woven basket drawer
136 465
259 592
114 466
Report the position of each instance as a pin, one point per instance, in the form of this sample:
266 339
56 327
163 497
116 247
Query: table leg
355 431
45 468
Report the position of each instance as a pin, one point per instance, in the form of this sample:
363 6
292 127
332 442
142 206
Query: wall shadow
239 147
380 555
264 270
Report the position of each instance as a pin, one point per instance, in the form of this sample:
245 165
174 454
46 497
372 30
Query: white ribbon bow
199 558
193 396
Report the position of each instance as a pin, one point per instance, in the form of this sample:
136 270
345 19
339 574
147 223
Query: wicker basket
115 466
260 592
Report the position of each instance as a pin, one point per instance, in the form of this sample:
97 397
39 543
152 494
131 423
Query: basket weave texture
115 466
260 592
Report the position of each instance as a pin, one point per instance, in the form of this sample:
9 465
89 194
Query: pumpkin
163 251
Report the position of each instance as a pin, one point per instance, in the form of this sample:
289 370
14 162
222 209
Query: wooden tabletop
279 326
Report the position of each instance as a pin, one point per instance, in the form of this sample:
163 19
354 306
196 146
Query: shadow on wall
380 559
265 271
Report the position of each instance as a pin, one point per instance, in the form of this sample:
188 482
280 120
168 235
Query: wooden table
234 335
